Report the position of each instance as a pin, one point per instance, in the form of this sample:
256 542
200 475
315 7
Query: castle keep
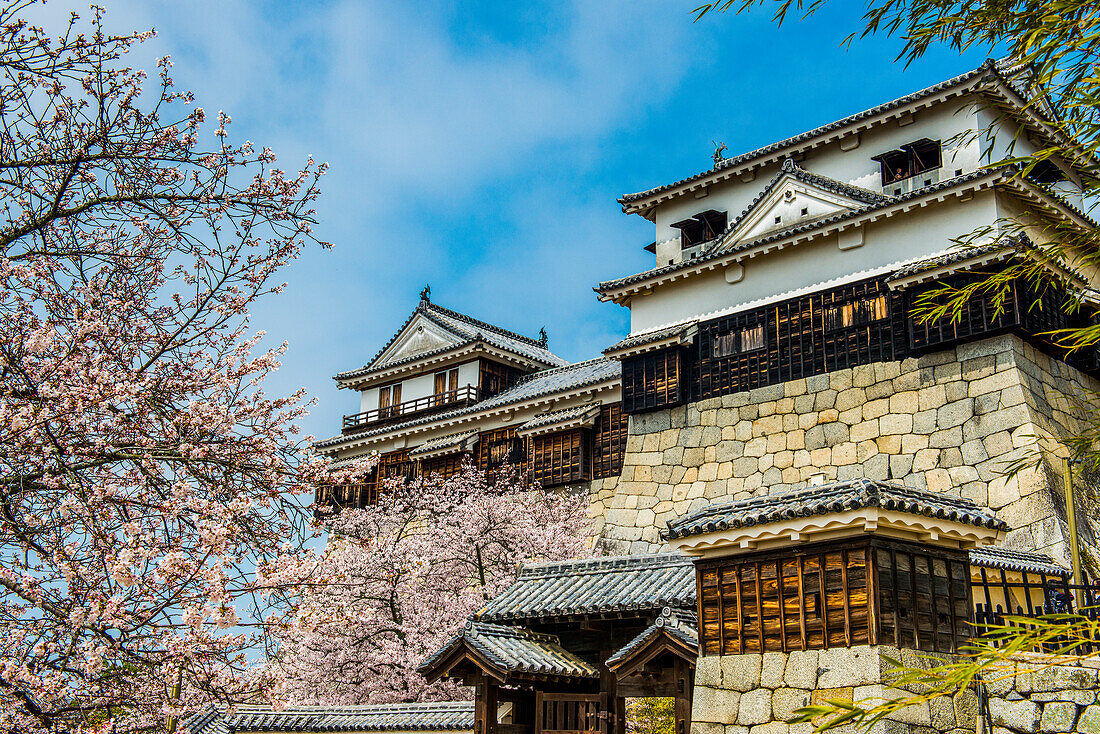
796 477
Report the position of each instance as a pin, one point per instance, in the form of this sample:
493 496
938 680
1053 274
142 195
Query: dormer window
1045 172
703 227
910 160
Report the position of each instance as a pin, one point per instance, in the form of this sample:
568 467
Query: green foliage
1063 638
651 715
1054 49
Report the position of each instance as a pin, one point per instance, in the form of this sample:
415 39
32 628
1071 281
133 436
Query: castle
800 479
771 345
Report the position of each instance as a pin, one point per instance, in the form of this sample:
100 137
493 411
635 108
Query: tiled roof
855 494
498 337
990 66
952 257
453 441
546 382
1016 560
596 586
465 330
680 623
439 716
716 253
207 721
792 170
640 340
566 418
515 650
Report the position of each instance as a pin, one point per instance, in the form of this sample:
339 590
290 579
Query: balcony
458 398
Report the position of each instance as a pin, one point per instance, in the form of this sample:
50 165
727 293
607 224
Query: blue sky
480 146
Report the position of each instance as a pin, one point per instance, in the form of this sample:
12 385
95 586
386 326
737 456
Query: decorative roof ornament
426 294
719 152
542 337
789 164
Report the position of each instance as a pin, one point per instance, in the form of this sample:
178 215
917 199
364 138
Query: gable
789 200
420 336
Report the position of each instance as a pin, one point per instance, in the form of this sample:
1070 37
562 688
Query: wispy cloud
460 153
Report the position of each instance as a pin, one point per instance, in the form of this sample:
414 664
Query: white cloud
416 109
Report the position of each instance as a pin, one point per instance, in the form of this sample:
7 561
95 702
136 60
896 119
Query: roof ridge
797 228
503 630
597 564
478 322
986 66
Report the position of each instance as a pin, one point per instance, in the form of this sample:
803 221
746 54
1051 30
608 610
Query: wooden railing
338 496
460 396
1050 596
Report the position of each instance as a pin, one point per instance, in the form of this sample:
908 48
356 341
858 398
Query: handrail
466 394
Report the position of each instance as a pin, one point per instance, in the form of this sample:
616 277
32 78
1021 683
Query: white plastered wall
421 386
944 122
900 238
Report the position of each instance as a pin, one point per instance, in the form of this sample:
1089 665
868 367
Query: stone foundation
1030 699
758 694
952 421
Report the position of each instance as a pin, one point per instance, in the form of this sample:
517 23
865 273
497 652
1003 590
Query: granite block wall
1050 700
951 421
758 694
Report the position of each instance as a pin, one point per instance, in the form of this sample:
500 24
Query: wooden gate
571 713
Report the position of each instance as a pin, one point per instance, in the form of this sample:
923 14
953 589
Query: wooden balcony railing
453 398
339 496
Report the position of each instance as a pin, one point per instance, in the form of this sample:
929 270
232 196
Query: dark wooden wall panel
560 458
655 380
837 594
609 442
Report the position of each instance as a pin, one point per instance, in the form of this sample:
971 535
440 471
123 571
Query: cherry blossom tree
405 573
149 508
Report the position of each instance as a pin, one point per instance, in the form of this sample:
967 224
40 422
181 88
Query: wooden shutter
559 458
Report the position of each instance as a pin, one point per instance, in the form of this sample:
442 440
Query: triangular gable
675 632
420 334
794 196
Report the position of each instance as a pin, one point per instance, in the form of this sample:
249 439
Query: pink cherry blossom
151 495
401 576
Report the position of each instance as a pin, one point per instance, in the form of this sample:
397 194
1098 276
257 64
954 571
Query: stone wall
951 421
758 694
1053 700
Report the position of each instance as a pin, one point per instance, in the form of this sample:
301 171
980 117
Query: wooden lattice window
559 458
340 496
496 447
799 337
442 466
654 380
856 313
609 442
496 378
834 595
395 465
979 316
740 341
